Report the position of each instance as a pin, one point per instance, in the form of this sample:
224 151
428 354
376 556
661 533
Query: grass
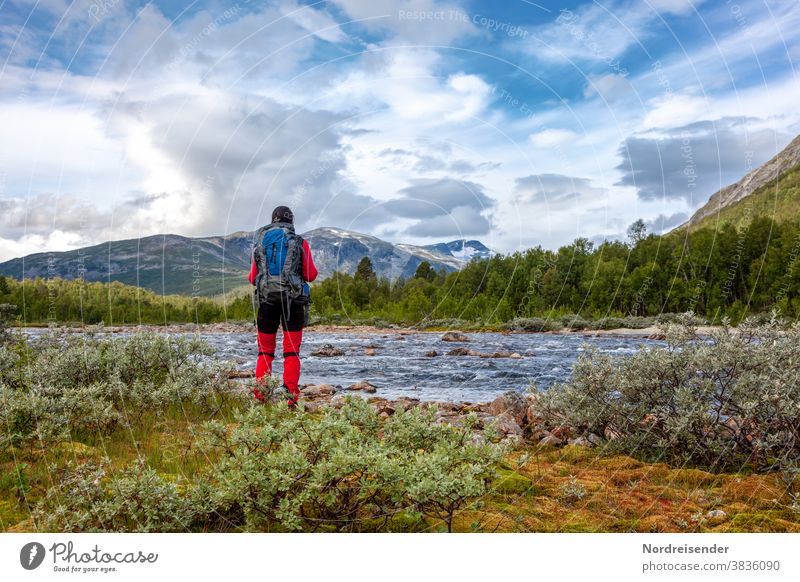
778 199
537 489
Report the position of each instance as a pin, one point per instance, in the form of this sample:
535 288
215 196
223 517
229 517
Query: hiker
281 270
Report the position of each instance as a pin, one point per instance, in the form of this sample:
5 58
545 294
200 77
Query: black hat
283 214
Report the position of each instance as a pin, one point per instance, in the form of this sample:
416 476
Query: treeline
715 273
62 302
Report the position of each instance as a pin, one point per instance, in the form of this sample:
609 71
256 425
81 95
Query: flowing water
400 367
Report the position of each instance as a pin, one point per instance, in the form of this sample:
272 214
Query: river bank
649 332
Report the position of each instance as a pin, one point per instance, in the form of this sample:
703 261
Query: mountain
173 264
462 250
772 189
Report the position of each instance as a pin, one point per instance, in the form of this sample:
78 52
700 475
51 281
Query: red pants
269 318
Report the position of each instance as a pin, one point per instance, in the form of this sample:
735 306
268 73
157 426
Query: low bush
60 385
720 401
272 469
136 499
532 324
344 471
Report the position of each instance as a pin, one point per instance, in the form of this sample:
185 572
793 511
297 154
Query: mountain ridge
207 266
756 189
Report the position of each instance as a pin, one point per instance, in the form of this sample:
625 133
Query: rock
551 440
338 400
496 355
431 354
716 516
370 352
454 336
581 441
562 432
405 403
594 439
363 386
236 374
478 439
327 351
313 405
457 421
512 402
507 425
611 433
317 391
462 352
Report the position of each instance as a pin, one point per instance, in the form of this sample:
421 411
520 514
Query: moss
11 514
693 478
512 483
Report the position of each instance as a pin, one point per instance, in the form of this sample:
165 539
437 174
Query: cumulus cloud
663 223
555 189
692 162
553 137
601 33
455 206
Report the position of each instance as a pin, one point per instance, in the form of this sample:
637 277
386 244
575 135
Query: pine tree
365 272
425 271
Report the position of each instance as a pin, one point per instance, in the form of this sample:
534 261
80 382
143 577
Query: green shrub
718 401
343 471
137 499
62 384
532 324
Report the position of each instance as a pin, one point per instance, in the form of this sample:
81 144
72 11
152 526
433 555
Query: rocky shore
511 416
652 332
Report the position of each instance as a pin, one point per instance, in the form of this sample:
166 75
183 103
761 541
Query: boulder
454 336
507 425
716 516
431 354
551 440
581 441
405 403
512 402
594 439
496 355
327 351
363 386
462 352
370 352
317 391
337 401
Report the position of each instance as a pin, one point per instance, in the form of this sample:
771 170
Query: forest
714 272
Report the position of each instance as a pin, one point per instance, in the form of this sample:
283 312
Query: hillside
172 264
770 190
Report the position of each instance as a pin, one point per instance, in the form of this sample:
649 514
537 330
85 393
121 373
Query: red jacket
309 270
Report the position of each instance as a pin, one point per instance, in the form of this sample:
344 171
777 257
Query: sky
517 123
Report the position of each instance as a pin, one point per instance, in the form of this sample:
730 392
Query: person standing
281 269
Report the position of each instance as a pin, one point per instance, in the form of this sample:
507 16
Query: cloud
460 222
663 223
416 21
555 189
426 197
550 138
609 86
692 162
601 33
443 207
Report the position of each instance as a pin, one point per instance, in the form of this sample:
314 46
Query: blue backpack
278 253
